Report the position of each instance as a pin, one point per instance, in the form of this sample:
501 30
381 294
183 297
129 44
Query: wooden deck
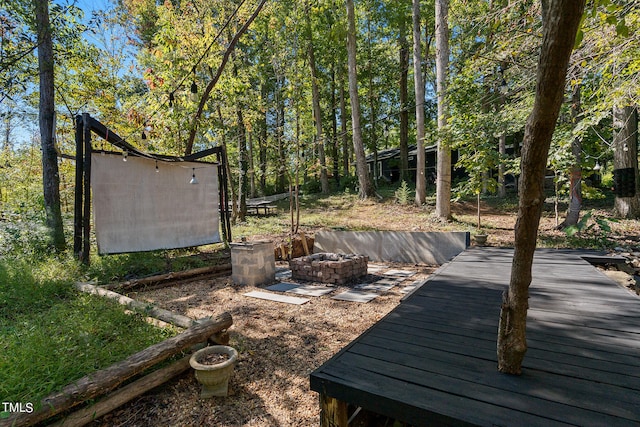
432 360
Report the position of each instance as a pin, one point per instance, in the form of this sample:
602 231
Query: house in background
387 164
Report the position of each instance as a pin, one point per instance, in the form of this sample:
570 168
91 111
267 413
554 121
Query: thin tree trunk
364 180
502 150
281 181
317 111
234 194
207 90
560 24
421 180
575 182
262 147
625 157
443 180
242 152
334 129
404 98
250 165
50 175
343 129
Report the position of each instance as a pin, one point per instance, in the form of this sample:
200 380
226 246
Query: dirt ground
281 344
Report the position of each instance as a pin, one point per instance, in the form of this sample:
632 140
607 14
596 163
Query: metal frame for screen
85 124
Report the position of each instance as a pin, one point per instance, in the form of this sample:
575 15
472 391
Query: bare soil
280 344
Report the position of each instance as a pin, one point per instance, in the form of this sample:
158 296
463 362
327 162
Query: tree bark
366 186
281 181
50 174
421 180
575 181
443 180
334 129
404 99
317 111
242 162
560 24
343 130
625 156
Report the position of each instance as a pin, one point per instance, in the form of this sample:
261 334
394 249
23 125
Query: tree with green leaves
443 179
561 19
364 180
421 179
50 175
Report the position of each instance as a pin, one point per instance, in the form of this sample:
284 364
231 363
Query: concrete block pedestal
253 263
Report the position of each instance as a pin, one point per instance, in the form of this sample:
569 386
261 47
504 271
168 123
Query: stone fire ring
331 268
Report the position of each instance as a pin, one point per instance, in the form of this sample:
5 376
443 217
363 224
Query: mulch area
279 345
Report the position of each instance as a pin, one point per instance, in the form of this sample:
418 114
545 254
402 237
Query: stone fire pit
332 268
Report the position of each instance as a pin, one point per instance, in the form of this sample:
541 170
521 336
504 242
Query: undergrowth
51 334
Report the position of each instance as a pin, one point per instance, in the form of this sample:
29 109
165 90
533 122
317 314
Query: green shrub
403 194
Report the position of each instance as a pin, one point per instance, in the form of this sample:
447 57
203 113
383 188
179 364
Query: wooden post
77 206
86 183
333 412
105 380
305 246
140 307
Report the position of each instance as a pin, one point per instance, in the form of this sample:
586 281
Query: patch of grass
110 268
51 335
45 350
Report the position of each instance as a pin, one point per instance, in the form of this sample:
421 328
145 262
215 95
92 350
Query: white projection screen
137 207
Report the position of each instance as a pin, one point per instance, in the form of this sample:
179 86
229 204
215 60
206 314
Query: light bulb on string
194 180
124 156
171 99
157 170
144 135
194 86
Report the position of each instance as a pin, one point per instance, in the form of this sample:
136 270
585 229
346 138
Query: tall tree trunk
502 150
443 180
334 129
281 181
560 24
50 175
232 187
575 181
421 179
251 171
317 112
242 161
343 130
404 98
625 157
364 180
262 146
502 142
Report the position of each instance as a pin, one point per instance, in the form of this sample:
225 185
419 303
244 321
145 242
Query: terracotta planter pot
214 377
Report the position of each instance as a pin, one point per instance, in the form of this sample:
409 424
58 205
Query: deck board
432 360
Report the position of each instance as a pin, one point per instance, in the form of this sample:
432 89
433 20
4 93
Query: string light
171 99
124 157
194 86
194 180
157 170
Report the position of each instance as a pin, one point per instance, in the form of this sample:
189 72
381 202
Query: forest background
155 72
